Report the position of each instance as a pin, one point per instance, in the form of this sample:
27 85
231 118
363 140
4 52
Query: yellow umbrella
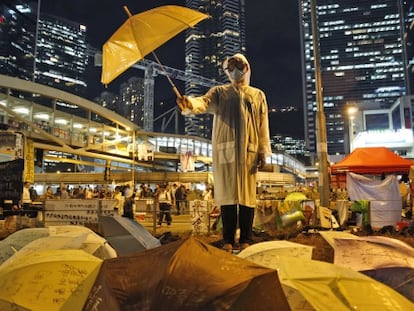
17 240
295 196
141 34
89 242
266 250
31 240
329 287
48 280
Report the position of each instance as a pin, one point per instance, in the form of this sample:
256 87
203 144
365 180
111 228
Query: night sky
273 45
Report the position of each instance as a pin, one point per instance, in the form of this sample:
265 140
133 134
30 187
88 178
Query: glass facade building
131 105
363 54
49 50
17 37
61 57
207 45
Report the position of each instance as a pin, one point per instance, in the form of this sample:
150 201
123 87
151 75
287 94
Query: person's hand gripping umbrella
141 34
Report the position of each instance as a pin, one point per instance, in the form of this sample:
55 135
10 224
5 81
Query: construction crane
151 70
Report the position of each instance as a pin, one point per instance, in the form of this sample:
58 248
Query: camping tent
372 160
384 196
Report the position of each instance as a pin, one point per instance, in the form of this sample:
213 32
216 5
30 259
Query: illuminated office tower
59 45
17 36
61 57
363 61
207 45
131 104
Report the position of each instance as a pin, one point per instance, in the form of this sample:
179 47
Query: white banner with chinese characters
76 212
199 216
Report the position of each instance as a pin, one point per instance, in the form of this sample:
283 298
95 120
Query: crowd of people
171 198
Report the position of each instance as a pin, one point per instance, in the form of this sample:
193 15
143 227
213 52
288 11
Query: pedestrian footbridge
97 144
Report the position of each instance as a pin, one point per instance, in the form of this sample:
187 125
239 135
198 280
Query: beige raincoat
240 133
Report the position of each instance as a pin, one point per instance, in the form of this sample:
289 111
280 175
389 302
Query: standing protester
49 193
64 194
180 199
173 190
129 197
119 201
240 140
33 194
26 199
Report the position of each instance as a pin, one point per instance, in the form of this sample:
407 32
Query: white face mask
236 74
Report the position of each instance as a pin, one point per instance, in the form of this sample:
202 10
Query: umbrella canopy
49 280
327 286
371 252
399 278
141 34
263 253
55 237
185 275
267 250
125 235
295 196
389 261
88 242
17 240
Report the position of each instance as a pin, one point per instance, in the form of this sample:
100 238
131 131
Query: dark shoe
228 248
243 246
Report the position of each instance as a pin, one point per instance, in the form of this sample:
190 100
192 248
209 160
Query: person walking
240 140
165 203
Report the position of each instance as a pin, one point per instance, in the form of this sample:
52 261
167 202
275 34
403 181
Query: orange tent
372 160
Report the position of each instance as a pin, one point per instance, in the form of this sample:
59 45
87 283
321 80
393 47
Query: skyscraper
61 57
49 50
17 37
207 46
131 104
363 60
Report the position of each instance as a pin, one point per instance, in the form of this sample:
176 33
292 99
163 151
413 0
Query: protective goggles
234 62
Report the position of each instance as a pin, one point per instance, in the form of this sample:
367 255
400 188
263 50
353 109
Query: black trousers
165 211
244 215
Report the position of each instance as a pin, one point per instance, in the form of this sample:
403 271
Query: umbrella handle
177 92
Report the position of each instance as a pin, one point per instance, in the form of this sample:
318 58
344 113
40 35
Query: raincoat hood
246 77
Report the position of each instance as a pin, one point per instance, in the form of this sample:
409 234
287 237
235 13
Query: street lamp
351 112
322 146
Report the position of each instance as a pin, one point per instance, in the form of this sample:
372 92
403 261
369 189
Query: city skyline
364 61
276 71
